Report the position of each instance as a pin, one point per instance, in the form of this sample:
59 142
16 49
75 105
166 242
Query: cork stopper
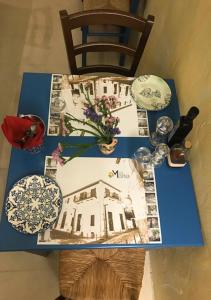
187 144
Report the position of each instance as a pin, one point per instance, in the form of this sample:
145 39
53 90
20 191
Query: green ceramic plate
151 92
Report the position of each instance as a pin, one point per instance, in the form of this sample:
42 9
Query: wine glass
159 155
163 127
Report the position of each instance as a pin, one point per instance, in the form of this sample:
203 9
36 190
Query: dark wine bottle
183 127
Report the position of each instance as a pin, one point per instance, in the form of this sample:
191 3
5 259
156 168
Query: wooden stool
102 274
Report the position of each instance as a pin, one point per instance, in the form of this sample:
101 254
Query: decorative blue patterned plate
33 204
151 92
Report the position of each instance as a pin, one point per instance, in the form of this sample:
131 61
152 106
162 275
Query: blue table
180 224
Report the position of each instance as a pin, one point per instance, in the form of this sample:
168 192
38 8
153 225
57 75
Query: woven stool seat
103 274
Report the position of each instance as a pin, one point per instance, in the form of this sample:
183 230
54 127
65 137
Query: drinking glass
159 155
163 127
142 157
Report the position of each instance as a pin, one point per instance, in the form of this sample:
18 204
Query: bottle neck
192 113
189 118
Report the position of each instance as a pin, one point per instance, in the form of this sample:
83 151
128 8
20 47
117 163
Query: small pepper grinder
177 156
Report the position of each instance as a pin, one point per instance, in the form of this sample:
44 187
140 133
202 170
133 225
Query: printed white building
72 95
98 86
94 212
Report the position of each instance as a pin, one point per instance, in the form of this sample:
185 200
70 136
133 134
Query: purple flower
92 115
111 131
56 155
116 130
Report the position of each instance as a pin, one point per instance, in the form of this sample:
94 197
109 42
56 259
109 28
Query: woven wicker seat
103 274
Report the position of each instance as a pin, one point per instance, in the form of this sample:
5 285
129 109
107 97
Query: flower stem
88 99
84 122
83 148
87 131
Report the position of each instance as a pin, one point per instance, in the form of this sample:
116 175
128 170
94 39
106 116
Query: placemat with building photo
68 95
110 204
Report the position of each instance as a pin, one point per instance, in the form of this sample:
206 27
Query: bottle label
173 131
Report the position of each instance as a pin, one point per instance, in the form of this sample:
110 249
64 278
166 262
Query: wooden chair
101 17
102 274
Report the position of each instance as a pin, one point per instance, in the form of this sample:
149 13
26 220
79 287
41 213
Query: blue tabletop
179 219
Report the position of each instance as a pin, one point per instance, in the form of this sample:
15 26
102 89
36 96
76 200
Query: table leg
41 253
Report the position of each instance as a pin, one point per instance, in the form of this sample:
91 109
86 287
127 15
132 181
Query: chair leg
85 31
123 39
134 5
62 298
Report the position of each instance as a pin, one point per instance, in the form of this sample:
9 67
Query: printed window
115 88
56 223
83 195
92 221
134 223
63 220
107 193
105 89
122 221
115 196
129 214
82 88
75 92
133 214
110 221
72 222
78 227
91 89
126 91
93 193
49 162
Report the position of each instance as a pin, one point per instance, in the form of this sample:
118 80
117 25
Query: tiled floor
27 37
31 40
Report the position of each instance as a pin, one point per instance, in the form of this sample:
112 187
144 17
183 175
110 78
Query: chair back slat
104 17
104 68
107 17
101 47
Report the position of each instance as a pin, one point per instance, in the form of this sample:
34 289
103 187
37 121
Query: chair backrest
104 17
